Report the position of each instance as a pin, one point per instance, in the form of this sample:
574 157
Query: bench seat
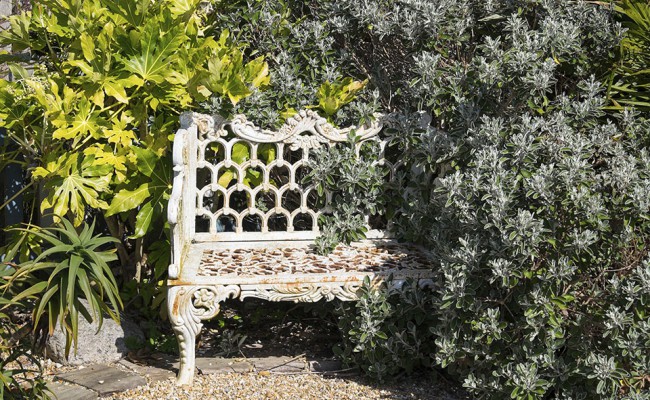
274 263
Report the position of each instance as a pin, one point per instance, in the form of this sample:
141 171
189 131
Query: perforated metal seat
274 263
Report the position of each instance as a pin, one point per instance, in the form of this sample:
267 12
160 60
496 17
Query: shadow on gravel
254 331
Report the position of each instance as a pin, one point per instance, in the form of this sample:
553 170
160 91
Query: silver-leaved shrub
532 197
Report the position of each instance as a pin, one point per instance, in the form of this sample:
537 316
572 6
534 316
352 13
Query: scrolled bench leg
188 306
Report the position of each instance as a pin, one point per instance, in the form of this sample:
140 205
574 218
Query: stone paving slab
280 365
324 366
87 383
153 373
218 365
104 379
68 391
162 360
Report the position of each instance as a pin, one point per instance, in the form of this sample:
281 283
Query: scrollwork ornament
309 122
188 306
204 124
305 142
305 292
206 299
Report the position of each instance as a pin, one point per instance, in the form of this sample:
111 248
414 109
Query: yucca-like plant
630 80
74 266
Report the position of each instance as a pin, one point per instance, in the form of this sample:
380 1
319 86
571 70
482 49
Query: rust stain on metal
179 282
176 305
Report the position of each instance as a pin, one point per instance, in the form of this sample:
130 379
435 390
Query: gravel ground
258 386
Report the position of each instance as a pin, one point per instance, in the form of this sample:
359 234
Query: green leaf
42 302
18 71
236 89
332 96
143 220
253 178
257 72
87 47
115 90
159 256
226 177
30 291
267 152
240 153
126 200
73 269
157 51
146 160
18 36
82 65
181 7
133 12
329 105
80 123
84 284
77 184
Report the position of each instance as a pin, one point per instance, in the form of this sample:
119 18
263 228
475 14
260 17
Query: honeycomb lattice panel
355 258
255 184
250 195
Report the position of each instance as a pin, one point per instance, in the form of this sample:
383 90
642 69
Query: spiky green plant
629 84
72 266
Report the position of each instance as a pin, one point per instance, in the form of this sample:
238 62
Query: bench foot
188 306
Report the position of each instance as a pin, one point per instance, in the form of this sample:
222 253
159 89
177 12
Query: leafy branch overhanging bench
243 219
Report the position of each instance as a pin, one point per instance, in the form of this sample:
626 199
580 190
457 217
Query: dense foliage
92 125
20 372
523 174
356 185
89 114
549 228
530 195
629 82
388 331
71 265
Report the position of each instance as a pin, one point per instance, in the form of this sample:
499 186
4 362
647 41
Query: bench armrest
175 198
175 206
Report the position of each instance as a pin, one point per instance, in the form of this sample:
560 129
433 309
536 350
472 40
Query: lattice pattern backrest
249 181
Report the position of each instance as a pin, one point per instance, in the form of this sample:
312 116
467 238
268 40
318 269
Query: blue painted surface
13 212
12 182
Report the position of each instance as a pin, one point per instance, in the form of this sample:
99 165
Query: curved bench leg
188 306
186 329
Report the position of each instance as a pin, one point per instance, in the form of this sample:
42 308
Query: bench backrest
243 183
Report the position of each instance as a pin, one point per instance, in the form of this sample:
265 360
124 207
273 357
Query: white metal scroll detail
188 306
304 292
316 128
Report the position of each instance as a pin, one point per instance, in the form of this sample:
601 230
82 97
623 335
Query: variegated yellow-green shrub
94 118
90 103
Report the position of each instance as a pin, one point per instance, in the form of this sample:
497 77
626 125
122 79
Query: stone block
279 365
218 365
67 391
103 379
104 346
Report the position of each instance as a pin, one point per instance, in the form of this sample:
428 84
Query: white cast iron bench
243 220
